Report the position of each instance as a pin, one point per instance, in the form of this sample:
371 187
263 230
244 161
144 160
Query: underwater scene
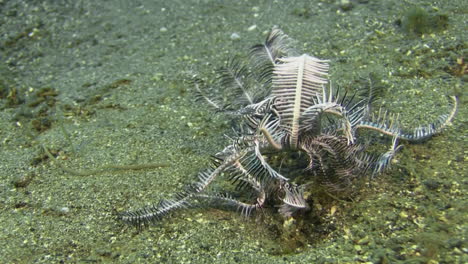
203 131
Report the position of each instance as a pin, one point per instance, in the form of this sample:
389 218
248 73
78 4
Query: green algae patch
418 21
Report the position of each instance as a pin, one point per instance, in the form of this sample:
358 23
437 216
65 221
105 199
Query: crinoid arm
253 163
370 93
236 86
385 159
231 89
293 199
376 163
264 56
328 104
422 133
335 162
242 160
226 200
268 127
387 124
146 216
183 199
296 81
233 78
213 101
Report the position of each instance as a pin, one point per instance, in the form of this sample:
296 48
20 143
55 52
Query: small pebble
64 210
252 28
235 36
346 5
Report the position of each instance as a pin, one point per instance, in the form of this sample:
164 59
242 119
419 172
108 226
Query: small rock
235 36
252 28
64 210
346 5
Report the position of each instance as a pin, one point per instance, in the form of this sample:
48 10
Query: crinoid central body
284 107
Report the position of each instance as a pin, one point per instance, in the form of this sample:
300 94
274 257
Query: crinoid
285 106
